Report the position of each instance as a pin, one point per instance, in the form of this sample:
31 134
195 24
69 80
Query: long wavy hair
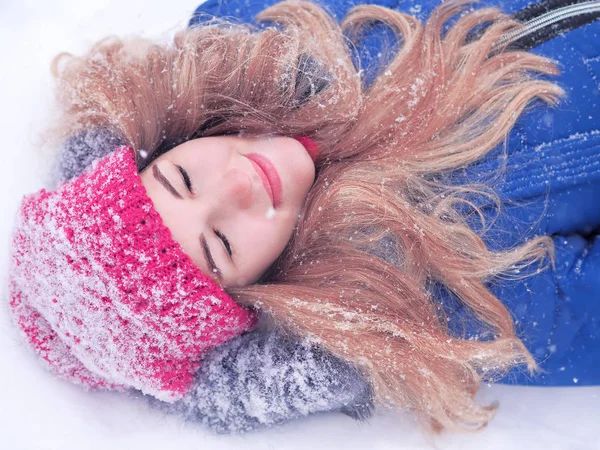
443 101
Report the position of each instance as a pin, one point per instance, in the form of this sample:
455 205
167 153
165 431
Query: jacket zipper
547 19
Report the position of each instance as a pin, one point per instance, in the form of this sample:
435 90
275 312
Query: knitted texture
260 378
103 292
263 379
80 152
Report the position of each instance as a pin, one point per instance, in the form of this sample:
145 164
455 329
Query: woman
383 256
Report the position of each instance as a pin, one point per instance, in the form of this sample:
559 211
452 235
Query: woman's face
237 218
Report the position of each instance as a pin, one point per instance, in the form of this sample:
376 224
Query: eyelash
213 269
186 178
225 241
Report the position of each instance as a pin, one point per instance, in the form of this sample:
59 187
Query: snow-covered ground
40 412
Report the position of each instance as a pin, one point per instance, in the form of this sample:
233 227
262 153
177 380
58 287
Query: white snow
38 411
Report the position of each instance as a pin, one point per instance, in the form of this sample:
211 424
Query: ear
311 78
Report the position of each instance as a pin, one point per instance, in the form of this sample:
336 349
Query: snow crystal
415 9
214 300
416 92
297 302
270 213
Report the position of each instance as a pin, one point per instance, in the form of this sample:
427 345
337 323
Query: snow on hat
105 295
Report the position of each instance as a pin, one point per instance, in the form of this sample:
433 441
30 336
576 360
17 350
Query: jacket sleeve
557 314
261 379
555 310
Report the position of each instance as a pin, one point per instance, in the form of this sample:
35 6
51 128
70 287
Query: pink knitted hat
105 295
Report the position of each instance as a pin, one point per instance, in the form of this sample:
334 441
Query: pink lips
268 175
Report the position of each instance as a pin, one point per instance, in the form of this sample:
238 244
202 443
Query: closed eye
186 178
225 242
208 255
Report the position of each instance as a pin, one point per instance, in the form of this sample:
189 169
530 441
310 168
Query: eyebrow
208 256
163 180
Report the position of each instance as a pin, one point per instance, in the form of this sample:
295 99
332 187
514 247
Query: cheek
302 188
267 239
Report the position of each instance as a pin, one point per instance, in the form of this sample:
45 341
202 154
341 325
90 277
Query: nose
237 189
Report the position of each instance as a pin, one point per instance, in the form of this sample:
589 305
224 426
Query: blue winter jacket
549 187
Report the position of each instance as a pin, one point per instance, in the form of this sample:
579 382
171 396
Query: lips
268 175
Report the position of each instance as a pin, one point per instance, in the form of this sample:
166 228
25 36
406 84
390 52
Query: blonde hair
441 103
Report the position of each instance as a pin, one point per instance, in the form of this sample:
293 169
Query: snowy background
40 412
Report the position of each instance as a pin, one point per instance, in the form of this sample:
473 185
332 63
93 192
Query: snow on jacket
551 186
553 171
